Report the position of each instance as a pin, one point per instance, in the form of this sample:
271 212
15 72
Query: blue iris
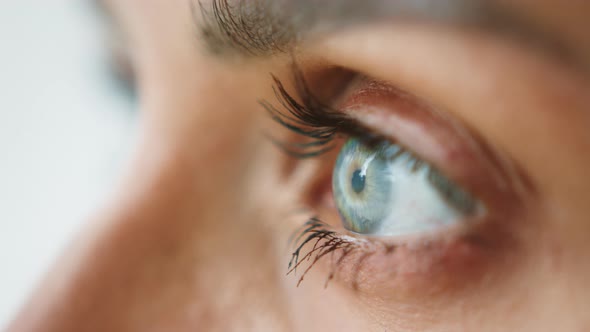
361 184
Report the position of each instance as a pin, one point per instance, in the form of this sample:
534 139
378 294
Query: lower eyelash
327 241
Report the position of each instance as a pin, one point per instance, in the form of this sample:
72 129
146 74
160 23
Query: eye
395 190
381 189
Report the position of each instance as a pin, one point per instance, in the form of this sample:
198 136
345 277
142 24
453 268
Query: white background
65 130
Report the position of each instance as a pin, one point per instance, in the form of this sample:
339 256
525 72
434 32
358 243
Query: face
300 173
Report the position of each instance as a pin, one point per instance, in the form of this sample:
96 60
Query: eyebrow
254 28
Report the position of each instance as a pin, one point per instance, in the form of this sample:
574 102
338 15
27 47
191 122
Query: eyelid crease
453 143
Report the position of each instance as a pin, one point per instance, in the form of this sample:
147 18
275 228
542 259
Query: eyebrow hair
254 28
261 27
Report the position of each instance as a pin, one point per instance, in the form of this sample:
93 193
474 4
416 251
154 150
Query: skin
196 238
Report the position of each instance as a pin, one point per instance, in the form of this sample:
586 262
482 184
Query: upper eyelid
315 119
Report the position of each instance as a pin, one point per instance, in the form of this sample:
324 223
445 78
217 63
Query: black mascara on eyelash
310 118
325 241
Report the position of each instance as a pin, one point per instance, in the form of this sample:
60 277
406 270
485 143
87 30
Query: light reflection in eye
381 189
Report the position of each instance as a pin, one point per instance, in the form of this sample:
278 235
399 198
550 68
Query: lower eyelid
426 267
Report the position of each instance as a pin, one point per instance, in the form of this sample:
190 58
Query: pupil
358 181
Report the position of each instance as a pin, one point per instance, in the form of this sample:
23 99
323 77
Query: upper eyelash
309 118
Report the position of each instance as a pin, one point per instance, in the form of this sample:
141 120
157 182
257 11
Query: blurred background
66 126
